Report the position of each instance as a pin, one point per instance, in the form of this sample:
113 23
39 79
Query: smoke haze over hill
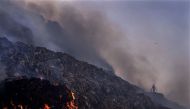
141 56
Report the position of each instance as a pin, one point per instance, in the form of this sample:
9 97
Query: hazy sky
145 42
159 31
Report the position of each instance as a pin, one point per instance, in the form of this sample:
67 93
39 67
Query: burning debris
71 104
96 88
35 93
46 106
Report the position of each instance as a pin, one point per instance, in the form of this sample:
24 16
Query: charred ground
34 93
94 87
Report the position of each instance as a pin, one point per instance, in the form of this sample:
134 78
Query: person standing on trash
153 89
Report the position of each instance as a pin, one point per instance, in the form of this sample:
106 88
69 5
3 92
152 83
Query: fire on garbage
35 93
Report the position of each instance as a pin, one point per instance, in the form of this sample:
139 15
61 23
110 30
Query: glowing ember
71 104
46 106
35 93
73 95
20 106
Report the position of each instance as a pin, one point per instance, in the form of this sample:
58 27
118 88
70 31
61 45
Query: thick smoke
89 35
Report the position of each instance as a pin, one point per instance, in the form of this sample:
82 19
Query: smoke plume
90 35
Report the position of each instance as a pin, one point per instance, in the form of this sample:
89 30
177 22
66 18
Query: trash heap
35 93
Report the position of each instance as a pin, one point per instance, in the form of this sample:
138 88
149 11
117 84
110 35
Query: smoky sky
142 42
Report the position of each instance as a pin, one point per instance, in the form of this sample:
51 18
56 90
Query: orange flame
46 106
71 104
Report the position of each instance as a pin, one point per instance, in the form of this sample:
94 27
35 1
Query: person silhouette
153 89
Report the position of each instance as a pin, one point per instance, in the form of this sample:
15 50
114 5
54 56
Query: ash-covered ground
95 88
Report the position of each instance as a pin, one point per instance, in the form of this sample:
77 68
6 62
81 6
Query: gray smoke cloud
89 35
